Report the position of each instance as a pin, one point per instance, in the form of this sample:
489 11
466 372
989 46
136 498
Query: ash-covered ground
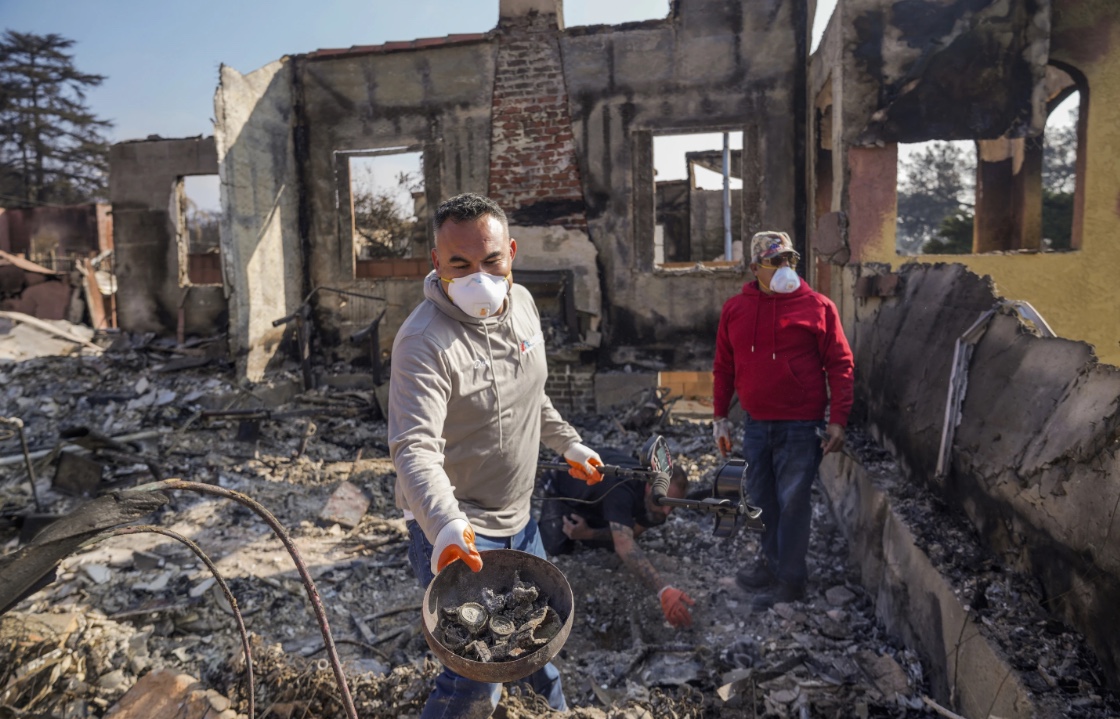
123 606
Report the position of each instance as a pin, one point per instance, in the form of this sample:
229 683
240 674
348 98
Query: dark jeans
782 460
455 696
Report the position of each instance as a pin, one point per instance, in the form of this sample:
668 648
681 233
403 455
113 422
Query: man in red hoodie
781 347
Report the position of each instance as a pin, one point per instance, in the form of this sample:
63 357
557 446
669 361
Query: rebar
18 424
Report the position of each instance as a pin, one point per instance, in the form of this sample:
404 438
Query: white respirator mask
785 280
480 294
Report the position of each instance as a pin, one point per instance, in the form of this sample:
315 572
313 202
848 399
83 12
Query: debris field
128 612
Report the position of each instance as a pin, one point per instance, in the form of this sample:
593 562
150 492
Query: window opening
823 14
1059 173
689 225
200 212
936 197
386 194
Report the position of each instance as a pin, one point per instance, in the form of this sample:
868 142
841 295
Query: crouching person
611 514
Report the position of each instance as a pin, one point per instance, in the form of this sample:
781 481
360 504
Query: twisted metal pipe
305 576
18 424
221 583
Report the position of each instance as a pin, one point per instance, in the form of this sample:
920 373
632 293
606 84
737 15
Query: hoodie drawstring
774 328
494 381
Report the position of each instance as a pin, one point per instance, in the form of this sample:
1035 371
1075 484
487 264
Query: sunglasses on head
779 261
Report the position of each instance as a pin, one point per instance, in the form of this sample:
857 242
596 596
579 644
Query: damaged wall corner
261 195
144 181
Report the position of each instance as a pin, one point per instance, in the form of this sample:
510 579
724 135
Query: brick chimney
533 170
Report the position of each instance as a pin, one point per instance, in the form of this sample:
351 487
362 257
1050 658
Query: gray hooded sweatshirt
468 412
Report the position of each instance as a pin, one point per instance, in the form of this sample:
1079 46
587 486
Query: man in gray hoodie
467 415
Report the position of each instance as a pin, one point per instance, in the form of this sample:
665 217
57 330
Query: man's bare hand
575 527
834 439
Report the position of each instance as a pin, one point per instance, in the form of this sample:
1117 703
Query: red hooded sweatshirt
778 351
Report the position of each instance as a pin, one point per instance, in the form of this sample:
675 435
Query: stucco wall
1074 291
142 181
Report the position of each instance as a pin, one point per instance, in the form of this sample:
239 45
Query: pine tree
935 184
52 149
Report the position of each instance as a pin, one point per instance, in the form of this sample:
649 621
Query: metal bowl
457 584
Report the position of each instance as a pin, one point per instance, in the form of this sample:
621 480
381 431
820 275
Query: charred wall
1034 462
144 181
909 56
434 100
39 232
712 65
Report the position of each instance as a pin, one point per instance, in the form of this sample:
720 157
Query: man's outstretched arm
673 601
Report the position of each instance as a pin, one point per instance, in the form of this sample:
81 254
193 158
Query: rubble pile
1054 661
318 461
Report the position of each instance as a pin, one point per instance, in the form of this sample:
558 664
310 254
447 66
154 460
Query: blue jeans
782 460
455 696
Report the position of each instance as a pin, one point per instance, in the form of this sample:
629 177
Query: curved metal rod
18 424
305 576
221 582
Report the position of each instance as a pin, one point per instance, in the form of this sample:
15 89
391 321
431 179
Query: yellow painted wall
1078 293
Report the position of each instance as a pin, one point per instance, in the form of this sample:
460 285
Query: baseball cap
769 244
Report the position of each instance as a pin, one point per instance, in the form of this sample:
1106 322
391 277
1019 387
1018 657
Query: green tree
935 187
1057 219
52 149
1059 172
1059 157
383 227
954 236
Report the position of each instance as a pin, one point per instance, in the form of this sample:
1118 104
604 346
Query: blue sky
161 58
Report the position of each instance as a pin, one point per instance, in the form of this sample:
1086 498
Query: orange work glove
721 433
455 541
673 603
583 461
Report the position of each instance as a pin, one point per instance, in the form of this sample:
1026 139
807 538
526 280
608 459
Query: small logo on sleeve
532 342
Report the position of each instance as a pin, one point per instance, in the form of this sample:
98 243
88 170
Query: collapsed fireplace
553 292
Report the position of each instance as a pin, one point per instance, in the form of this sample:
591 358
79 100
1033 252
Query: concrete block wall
143 177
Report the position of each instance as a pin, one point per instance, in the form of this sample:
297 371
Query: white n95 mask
785 280
480 294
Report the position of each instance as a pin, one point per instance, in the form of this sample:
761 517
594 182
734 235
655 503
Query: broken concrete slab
970 671
1030 460
23 337
164 692
346 506
77 474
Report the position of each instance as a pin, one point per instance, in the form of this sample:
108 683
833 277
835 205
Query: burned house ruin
987 379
